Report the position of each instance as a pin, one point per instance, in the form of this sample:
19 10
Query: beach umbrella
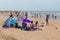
25 20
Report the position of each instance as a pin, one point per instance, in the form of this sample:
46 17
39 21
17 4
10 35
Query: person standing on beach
35 15
52 16
47 19
26 15
55 17
18 16
11 14
40 15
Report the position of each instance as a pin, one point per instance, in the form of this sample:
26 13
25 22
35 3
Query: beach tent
13 21
8 22
24 20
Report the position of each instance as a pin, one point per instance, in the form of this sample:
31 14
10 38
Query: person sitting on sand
16 25
13 21
24 26
11 24
18 17
36 24
31 25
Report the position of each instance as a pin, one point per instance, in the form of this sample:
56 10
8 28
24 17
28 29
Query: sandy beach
49 33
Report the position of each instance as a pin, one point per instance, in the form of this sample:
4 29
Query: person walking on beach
47 19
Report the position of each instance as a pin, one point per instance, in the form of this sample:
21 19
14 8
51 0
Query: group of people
24 25
48 16
31 27
36 15
14 23
54 16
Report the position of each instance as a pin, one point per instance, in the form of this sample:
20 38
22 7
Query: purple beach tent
24 20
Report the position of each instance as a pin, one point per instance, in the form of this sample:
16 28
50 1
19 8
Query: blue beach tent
9 21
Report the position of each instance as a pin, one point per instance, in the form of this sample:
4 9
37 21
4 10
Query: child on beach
36 24
31 25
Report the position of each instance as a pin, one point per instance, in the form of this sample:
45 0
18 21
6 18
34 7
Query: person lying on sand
42 26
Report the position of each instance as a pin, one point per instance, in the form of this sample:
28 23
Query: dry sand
49 33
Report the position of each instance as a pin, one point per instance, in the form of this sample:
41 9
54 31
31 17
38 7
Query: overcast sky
30 5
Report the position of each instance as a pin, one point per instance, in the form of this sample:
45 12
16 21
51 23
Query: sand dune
49 33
